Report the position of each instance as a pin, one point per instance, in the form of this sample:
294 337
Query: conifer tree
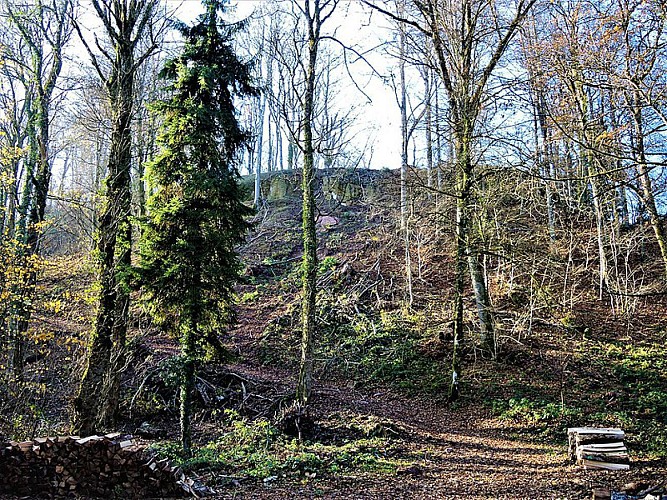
196 214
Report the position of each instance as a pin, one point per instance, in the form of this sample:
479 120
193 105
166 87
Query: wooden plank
87 439
594 430
602 446
592 464
577 436
581 440
619 436
619 451
594 448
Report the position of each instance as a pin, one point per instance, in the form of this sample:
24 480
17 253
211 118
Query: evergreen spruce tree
196 214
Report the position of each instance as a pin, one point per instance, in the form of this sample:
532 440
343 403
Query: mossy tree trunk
309 264
96 403
113 247
187 386
45 29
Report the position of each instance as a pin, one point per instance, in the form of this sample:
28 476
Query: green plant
256 449
196 217
386 346
526 410
327 264
249 297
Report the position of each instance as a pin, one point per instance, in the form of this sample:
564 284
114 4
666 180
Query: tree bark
187 385
258 161
96 402
405 137
647 196
309 265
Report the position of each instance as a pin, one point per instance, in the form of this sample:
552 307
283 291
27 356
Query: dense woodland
200 245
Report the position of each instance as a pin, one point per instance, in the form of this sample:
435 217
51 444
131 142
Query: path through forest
456 453
459 451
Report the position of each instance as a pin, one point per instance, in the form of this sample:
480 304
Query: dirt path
461 453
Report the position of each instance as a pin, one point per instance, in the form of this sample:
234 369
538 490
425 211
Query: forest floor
379 425
434 449
450 454
439 452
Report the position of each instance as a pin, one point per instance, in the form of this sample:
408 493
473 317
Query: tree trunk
404 133
258 161
482 301
599 223
187 387
428 125
404 168
290 155
309 270
279 147
545 161
97 400
459 289
647 196
271 154
438 138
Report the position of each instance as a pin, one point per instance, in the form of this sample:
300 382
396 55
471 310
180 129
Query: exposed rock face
342 186
283 186
344 189
96 466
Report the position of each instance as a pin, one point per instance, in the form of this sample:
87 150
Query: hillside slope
380 425
564 357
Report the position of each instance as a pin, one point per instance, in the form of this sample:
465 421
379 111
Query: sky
377 126
378 120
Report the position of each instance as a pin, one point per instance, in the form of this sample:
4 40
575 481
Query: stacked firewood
95 466
598 448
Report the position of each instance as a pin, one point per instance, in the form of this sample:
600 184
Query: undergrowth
370 346
256 449
615 384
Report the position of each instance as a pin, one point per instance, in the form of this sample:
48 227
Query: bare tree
469 39
44 29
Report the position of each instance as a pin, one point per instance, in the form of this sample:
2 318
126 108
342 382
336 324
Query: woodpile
95 466
598 448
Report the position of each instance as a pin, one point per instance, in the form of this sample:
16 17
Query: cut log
601 494
94 466
595 440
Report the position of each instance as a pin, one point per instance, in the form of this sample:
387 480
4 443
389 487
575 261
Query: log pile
95 466
598 448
